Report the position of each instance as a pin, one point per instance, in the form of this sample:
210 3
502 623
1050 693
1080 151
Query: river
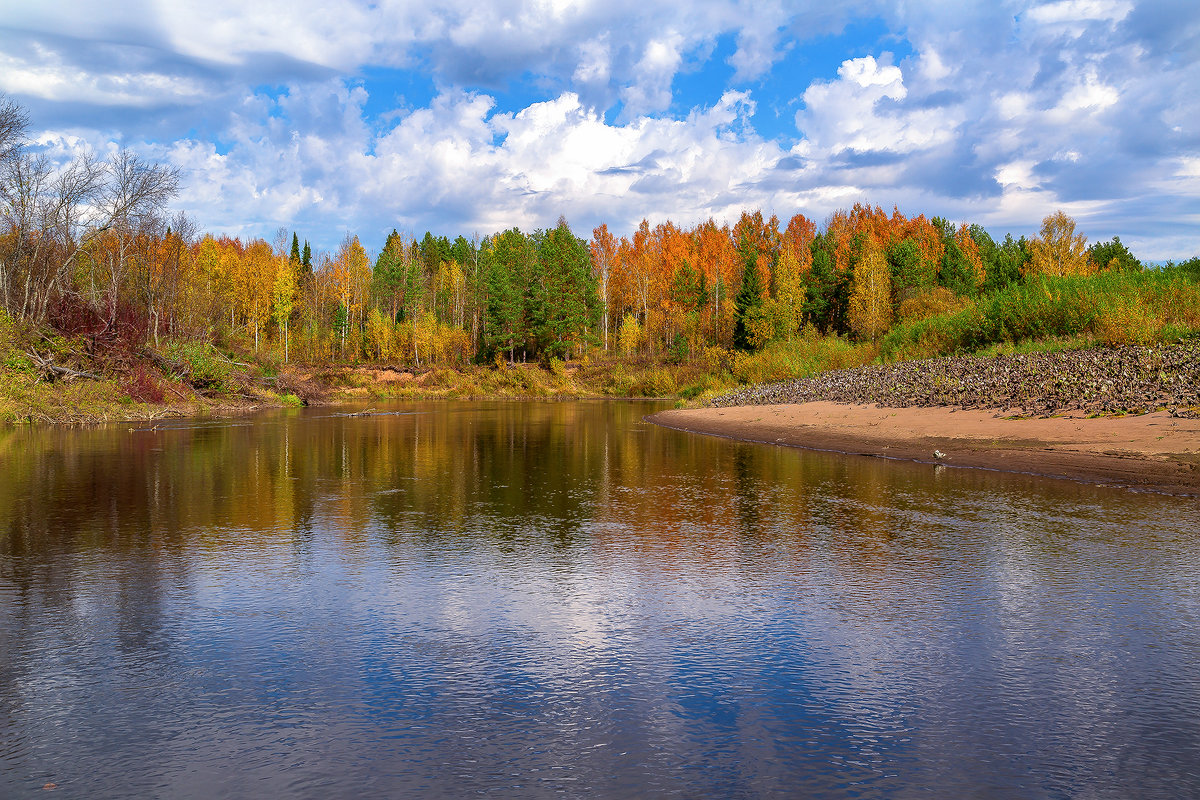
527 599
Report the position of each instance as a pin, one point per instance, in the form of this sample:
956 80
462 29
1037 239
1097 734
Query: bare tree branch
13 124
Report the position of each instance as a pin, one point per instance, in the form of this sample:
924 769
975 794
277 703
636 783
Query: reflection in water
531 599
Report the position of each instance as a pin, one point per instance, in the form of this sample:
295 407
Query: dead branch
53 371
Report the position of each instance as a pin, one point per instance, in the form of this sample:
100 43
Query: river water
536 599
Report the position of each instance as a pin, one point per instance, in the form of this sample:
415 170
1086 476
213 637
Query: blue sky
463 117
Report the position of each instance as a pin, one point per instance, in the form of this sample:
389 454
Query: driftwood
370 412
364 413
52 371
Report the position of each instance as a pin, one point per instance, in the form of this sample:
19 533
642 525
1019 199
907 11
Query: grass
1110 308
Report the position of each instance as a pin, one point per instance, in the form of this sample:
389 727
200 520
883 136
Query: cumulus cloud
1076 104
460 159
655 71
851 113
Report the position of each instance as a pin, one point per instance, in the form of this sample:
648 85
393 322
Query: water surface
535 599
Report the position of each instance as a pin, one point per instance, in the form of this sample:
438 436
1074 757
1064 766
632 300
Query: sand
1151 452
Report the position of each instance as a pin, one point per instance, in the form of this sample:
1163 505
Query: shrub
799 358
200 365
11 343
653 383
1041 308
1123 321
934 336
706 384
142 385
929 303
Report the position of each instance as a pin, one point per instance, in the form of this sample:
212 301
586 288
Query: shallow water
533 599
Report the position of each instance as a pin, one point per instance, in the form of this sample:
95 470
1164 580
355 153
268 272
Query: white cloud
848 114
758 39
1017 174
651 90
932 67
631 48
487 170
595 62
1074 12
50 78
1089 95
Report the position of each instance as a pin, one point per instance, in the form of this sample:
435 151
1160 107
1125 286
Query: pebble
1108 380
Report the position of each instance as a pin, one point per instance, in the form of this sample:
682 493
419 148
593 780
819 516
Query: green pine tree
956 273
564 298
507 260
749 298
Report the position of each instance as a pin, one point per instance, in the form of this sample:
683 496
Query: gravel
1117 380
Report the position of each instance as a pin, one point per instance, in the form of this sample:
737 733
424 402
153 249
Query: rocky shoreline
1110 381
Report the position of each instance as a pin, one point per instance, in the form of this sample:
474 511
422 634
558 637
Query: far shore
1149 452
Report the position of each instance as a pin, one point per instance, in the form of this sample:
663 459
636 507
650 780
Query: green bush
799 358
202 368
1114 307
1039 309
653 383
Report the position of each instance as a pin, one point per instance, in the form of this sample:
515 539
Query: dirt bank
1153 452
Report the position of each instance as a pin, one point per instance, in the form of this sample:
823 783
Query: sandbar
1150 452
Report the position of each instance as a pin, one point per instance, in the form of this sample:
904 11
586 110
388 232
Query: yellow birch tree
1058 250
870 309
351 280
257 274
283 294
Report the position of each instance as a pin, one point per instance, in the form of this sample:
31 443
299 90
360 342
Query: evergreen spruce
565 302
819 285
1007 264
749 297
506 262
956 273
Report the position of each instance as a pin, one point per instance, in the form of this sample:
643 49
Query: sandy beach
1150 452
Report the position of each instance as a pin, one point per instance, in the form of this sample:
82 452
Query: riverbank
1151 452
144 391
1125 416
64 385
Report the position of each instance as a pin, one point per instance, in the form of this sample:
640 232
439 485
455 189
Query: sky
464 117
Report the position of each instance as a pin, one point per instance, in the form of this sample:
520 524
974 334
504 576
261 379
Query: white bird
938 454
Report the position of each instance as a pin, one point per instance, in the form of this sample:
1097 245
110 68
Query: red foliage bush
75 316
142 386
